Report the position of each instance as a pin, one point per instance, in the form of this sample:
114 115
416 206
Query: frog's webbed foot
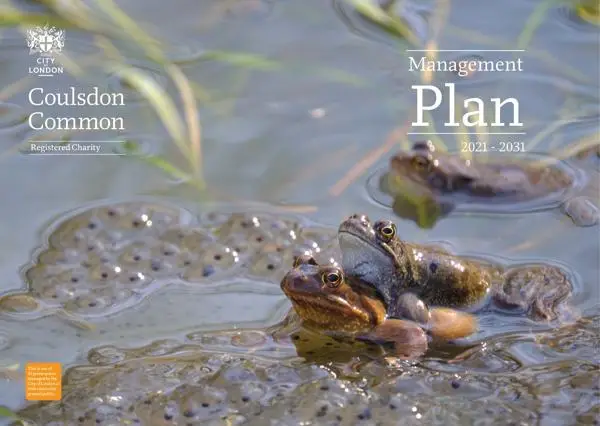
408 338
582 211
443 323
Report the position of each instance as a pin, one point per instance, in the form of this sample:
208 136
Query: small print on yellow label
43 381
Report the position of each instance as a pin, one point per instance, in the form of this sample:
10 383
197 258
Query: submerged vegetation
118 36
180 117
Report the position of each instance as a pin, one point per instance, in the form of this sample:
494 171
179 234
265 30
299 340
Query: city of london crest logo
45 40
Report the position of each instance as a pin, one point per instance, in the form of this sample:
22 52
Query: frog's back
442 278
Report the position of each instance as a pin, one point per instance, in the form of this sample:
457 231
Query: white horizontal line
465 133
68 142
465 50
68 154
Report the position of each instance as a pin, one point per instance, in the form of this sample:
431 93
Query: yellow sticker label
43 381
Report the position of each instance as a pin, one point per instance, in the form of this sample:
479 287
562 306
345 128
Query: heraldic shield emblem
45 40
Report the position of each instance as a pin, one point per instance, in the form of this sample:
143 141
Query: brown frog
442 173
336 305
427 184
375 254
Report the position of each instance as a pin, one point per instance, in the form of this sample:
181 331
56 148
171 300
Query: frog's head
323 297
433 169
371 252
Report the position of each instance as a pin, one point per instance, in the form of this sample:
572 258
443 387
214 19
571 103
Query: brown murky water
181 306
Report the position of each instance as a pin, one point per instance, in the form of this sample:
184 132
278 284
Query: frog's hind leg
443 323
407 337
450 324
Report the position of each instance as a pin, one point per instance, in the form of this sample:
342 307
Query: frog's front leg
443 323
410 306
408 338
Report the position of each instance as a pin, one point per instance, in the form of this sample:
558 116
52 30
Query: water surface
287 137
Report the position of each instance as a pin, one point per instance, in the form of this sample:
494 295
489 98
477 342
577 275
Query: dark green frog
374 253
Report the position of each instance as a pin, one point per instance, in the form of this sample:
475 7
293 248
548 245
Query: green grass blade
241 59
385 20
131 148
10 17
151 46
535 20
160 101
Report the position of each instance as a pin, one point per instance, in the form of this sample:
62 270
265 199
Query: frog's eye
332 277
421 163
386 229
420 146
304 259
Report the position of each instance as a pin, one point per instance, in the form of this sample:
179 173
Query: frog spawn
192 387
107 258
193 383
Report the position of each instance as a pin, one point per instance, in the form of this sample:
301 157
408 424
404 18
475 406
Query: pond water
280 141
